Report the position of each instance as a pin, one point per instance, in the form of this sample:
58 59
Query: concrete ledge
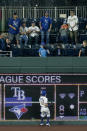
36 123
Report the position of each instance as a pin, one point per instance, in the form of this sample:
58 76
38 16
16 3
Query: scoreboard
66 93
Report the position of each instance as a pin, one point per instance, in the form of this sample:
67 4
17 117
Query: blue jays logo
15 23
19 110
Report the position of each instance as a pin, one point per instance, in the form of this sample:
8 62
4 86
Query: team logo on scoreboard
72 106
19 110
71 95
18 93
62 95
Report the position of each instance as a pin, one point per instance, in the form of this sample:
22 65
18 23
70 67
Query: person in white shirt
33 31
45 112
23 35
73 27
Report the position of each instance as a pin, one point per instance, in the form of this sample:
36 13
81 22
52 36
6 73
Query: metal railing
5 53
38 12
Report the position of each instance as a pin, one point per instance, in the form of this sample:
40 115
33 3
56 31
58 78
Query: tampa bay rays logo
18 93
19 110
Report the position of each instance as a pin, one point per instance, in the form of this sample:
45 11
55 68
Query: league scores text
19 95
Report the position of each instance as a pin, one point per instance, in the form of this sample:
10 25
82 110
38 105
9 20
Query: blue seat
83 37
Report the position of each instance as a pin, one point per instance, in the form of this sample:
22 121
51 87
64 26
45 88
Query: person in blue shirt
43 52
14 25
45 27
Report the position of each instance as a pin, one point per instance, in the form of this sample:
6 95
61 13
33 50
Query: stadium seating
68 50
54 38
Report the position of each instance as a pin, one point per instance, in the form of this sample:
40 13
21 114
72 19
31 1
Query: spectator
83 50
45 27
57 51
86 27
23 35
73 27
64 32
2 43
8 44
14 25
33 33
43 52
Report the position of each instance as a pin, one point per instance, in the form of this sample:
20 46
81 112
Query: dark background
66 102
42 3
84 96
34 110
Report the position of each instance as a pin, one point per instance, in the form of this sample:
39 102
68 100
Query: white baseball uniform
44 109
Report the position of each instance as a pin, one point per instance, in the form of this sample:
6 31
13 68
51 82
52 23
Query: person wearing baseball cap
44 109
33 31
14 25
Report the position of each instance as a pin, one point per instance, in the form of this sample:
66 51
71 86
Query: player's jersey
43 100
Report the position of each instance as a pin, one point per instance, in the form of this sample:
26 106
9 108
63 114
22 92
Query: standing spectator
33 31
73 27
23 35
14 25
64 33
83 50
45 27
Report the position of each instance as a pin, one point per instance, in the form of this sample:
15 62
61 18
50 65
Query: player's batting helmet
43 92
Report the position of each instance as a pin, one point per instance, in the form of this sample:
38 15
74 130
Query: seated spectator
43 52
83 50
64 32
86 27
23 35
45 27
14 25
57 50
33 31
8 44
2 43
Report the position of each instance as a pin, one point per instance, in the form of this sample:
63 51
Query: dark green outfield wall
43 65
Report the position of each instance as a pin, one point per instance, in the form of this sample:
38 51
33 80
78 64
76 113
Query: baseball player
45 112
